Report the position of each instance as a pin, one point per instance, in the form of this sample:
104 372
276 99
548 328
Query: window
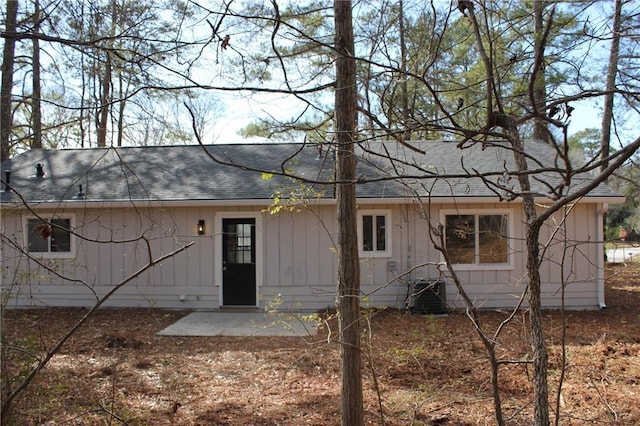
478 239
50 237
374 233
239 247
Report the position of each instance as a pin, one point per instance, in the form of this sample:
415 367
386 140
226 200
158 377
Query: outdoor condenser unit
429 297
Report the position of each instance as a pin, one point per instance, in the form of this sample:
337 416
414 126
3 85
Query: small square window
50 237
373 233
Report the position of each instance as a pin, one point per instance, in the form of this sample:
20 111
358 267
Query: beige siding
97 267
300 263
569 248
297 257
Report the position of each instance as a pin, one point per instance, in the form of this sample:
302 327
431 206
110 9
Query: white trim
49 254
388 233
101 204
97 204
217 249
600 281
510 238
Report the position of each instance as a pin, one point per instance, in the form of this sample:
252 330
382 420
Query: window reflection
239 243
477 239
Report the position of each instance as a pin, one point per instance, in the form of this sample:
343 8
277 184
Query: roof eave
264 202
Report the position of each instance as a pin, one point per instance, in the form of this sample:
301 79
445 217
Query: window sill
369 255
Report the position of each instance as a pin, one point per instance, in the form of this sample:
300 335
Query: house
76 222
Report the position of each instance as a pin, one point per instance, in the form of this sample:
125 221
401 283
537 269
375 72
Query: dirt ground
428 371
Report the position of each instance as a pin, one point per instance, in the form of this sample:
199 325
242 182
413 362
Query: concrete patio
258 323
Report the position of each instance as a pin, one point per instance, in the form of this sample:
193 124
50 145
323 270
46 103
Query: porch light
201 227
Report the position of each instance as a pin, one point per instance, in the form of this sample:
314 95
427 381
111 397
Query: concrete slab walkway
241 324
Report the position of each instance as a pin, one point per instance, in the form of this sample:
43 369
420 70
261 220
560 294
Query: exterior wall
110 252
575 238
301 262
297 260
301 270
571 242
300 259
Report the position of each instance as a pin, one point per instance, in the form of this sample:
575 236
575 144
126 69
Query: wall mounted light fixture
201 227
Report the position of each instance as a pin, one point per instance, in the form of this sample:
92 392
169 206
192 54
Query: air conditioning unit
429 297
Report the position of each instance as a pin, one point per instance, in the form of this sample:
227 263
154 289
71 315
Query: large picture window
50 237
374 233
477 239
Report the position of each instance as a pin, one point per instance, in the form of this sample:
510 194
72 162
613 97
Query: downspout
600 255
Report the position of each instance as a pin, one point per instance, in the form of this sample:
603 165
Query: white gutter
600 255
84 203
101 204
481 200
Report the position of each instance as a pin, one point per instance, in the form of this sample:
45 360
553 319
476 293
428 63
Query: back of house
254 226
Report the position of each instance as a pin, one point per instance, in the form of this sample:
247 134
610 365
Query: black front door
239 262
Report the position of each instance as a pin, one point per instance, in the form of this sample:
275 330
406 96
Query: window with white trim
478 239
374 233
50 236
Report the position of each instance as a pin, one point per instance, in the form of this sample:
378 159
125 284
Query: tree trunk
121 104
348 292
538 345
612 71
105 95
533 224
403 69
540 130
122 98
105 92
507 122
36 110
8 57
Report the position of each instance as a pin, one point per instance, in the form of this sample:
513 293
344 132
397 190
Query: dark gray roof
443 169
188 173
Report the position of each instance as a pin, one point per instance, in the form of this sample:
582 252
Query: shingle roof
442 169
187 173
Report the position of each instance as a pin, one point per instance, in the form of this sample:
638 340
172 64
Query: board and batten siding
298 259
568 246
110 252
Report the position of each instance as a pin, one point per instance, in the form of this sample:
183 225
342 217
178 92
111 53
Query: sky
241 112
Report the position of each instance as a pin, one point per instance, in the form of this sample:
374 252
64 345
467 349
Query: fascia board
90 204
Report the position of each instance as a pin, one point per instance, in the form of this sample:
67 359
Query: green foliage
627 182
294 129
134 45
587 141
17 360
440 82
414 89
292 199
261 129
286 315
292 196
